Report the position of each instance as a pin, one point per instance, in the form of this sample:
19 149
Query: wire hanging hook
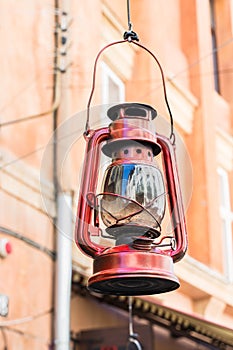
133 343
128 14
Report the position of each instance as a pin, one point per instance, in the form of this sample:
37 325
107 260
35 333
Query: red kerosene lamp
130 206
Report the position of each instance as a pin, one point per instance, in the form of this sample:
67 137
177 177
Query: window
227 218
214 46
113 88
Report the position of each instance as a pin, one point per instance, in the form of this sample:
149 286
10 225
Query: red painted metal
175 198
132 272
144 270
88 185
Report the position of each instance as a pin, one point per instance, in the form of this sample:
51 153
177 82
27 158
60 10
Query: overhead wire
28 241
190 66
151 80
26 319
224 44
26 155
22 90
41 148
54 106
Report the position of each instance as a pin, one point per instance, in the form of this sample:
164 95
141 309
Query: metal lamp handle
87 128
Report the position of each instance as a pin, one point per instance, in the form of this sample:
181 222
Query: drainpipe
63 223
63 271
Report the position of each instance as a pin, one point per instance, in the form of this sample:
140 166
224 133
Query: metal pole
64 226
63 272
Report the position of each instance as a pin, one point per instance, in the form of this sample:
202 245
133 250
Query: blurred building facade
48 53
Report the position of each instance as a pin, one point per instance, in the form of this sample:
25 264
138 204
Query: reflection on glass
133 194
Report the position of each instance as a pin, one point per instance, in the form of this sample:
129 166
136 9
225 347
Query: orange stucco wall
178 33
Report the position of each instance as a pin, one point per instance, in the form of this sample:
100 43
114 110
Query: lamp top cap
131 109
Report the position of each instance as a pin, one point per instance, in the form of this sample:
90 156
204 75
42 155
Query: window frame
107 74
213 29
226 215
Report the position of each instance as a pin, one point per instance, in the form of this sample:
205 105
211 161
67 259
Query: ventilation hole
138 150
135 112
126 151
149 154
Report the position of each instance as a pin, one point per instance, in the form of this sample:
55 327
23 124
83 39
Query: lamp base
133 273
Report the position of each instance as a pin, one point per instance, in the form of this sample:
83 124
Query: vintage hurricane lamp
120 213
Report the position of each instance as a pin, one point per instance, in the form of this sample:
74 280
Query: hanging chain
133 343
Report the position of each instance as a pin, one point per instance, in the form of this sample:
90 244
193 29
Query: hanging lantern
121 214
129 207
